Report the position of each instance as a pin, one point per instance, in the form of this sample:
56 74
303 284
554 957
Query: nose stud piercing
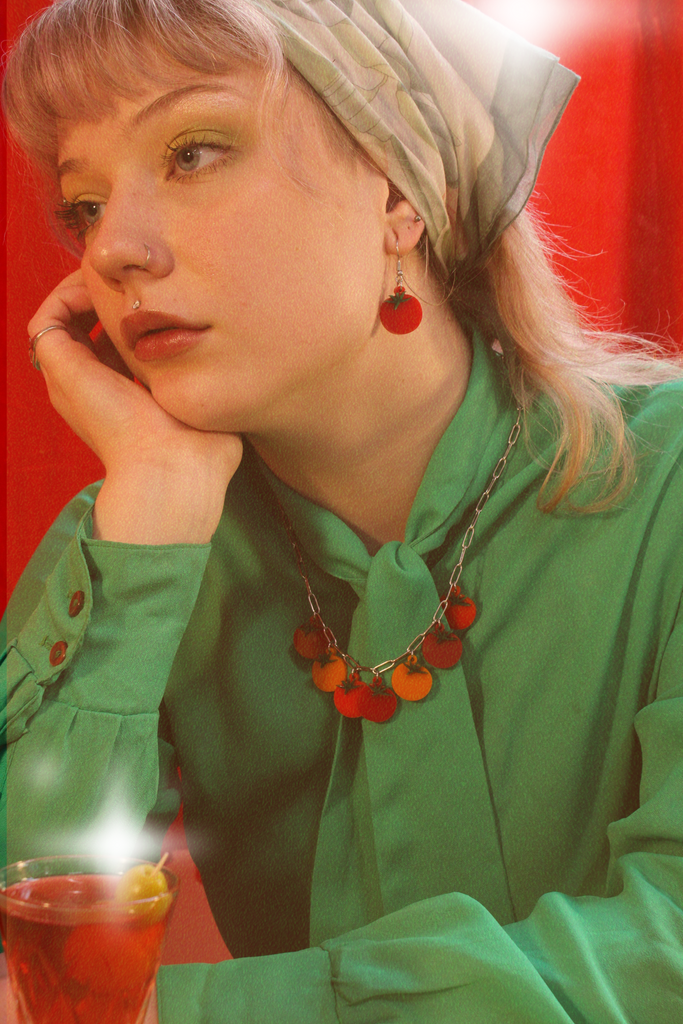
136 304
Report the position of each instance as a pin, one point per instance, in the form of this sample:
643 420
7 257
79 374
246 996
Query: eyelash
71 213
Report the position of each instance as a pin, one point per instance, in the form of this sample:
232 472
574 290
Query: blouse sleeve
93 630
615 959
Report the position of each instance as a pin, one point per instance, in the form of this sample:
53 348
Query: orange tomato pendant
401 313
410 680
329 670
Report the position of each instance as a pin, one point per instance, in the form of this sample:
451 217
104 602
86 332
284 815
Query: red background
610 187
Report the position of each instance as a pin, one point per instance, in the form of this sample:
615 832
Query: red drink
75 954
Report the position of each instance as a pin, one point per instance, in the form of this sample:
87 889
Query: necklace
335 671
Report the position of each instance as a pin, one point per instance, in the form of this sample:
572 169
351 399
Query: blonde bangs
75 60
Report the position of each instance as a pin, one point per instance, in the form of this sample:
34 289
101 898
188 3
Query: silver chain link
414 645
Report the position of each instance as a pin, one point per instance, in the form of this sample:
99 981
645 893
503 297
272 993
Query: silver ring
32 343
142 266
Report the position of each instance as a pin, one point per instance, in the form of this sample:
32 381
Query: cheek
292 268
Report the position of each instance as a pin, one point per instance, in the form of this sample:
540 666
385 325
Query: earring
400 313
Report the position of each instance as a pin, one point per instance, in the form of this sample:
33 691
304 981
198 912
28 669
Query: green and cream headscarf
454 108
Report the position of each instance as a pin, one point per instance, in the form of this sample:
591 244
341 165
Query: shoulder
655 415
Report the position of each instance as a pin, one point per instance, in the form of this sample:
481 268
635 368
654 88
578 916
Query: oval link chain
414 645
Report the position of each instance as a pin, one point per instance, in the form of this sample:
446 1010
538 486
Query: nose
129 249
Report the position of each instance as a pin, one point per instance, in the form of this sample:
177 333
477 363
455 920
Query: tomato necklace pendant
460 611
309 639
329 670
410 679
347 696
376 701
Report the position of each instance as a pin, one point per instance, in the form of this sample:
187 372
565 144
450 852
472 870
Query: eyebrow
153 109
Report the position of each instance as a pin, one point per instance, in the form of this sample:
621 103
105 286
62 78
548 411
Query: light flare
548 22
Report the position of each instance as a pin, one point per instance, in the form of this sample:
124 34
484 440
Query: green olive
144 882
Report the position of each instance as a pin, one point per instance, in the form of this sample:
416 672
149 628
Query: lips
144 325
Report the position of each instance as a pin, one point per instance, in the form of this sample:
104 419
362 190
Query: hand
165 481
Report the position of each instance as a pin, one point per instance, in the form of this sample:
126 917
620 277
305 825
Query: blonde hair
554 351
79 56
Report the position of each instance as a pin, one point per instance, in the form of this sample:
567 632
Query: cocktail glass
76 954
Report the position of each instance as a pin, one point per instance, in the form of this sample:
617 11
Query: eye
80 215
91 212
192 156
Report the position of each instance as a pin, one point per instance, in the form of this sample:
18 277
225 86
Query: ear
404 227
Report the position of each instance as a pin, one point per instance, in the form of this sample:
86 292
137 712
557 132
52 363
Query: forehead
283 109
246 88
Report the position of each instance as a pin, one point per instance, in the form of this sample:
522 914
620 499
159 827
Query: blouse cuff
287 988
123 609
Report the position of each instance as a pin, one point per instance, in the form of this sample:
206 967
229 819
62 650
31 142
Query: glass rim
100 864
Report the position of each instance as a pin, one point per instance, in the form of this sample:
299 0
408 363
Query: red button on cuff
58 652
76 604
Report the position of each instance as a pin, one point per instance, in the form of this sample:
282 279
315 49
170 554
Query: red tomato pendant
441 649
460 611
310 640
401 313
377 702
347 696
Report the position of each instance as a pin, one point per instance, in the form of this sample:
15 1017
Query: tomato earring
400 313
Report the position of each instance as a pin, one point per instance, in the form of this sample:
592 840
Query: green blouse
509 849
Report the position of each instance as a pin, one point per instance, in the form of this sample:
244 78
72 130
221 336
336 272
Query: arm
615 959
82 734
84 684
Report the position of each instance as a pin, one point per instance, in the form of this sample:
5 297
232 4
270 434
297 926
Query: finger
69 304
95 401
41 349
107 353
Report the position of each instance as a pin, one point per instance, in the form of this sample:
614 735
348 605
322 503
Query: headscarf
454 108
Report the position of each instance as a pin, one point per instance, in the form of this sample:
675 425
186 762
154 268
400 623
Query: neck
364 457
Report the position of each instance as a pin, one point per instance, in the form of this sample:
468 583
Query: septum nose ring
136 304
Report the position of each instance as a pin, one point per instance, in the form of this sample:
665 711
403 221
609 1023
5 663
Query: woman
473 810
